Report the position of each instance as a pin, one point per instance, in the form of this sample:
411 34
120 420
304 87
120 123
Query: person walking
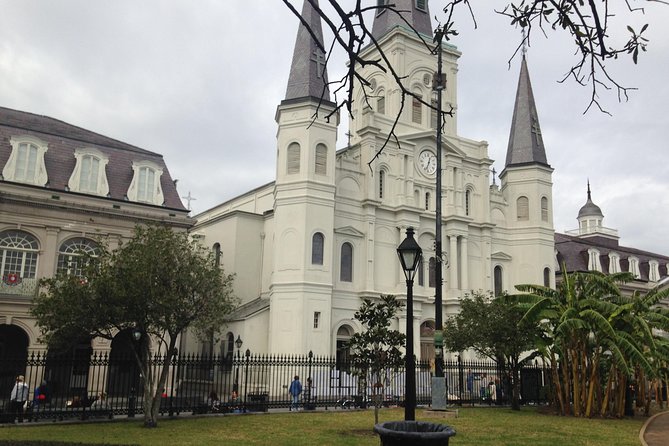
17 398
295 390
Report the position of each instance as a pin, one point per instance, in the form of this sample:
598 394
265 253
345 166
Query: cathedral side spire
415 12
526 145
308 74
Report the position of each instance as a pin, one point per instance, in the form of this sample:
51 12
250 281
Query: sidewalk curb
642 432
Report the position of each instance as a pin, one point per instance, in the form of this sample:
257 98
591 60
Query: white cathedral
307 248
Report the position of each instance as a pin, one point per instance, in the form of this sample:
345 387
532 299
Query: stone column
464 254
453 261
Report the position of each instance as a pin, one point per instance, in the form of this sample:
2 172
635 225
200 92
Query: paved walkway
656 431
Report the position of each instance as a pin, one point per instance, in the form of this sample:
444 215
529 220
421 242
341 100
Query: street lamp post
238 343
410 255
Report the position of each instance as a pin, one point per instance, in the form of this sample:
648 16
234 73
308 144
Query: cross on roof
536 130
349 137
493 176
320 63
188 199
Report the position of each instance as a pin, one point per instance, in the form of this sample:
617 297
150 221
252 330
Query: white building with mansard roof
309 246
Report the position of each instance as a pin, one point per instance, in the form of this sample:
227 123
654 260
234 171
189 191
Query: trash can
413 433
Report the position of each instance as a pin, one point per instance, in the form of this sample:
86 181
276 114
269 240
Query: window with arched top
544 209
523 208
653 271
293 159
432 273
497 278
317 244
26 161
468 202
145 186
382 177
634 267
547 277
594 263
74 254
342 358
217 254
421 273
321 167
346 263
416 109
18 251
89 174
381 103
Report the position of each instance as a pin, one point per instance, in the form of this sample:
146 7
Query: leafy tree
377 350
493 327
160 282
588 345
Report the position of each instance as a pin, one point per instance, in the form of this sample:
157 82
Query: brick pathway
656 431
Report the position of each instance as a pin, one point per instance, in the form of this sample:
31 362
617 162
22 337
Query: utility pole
439 397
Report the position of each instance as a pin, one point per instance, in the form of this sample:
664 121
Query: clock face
427 162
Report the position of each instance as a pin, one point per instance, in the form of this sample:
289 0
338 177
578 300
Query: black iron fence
103 386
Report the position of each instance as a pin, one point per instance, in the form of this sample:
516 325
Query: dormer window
593 260
634 267
145 186
653 271
614 263
26 162
89 175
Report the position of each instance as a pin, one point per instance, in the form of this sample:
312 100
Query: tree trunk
607 393
153 388
566 381
591 391
576 383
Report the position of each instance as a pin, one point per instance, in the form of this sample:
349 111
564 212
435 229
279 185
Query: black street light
410 255
238 343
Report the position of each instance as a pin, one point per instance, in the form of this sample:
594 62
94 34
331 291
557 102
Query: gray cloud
199 83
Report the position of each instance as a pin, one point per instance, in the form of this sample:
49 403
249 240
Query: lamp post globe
410 255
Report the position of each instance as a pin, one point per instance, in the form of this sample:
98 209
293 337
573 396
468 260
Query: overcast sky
199 82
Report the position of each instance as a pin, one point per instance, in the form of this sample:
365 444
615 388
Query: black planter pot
413 433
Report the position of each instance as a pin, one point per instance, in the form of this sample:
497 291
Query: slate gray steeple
308 75
415 12
526 145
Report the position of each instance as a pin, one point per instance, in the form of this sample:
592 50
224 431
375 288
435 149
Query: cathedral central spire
526 145
414 12
308 74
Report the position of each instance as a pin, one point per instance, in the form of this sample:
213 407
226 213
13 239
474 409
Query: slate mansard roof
573 251
63 139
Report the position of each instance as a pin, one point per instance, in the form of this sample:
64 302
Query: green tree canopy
493 327
159 282
378 348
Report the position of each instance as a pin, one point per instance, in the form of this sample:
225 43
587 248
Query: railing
105 385
26 287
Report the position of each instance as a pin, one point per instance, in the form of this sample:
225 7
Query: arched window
217 254
227 350
26 161
544 209
416 109
498 280
293 159
594 263
432 273
427 201
342 359
433 114
547 277
321 159
421 273
634 267
18 251
468 198
523 208
317 242
381 103
382 175
73 254
346 269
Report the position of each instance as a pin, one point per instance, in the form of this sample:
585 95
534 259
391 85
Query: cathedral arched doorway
13 355
124 375
66 371
342 359
427 341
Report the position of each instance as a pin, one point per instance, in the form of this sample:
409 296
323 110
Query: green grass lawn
479 426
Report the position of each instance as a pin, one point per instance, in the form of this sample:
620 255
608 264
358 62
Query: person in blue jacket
295 390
